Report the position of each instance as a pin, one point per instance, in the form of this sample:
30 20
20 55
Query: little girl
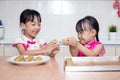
88 44
30 23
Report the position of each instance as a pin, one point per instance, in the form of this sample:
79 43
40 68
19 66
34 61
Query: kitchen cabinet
7 50
10 51
118 51
1 50
110 51
64 51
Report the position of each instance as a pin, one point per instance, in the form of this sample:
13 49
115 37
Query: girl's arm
45 50
96 51
71 42
74 45
73 50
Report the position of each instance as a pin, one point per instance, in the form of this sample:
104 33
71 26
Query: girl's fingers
65 41
53 42
52 46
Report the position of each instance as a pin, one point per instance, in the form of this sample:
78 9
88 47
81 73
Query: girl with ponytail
87 29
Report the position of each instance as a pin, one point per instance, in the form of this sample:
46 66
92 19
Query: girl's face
31 29
86 36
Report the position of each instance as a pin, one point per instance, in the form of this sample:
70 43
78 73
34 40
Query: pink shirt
28 44
91 45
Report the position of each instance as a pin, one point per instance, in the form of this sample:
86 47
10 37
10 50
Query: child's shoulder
97 42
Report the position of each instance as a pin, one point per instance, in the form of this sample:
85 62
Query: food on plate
19 58
38 58
28 58
69 62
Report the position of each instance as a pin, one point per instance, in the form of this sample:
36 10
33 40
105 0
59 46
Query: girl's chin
34 36
81 42
35 33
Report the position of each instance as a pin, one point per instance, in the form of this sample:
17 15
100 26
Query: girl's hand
73 41
50 46
65 42
54 51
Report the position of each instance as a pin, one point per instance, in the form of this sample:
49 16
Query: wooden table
53 70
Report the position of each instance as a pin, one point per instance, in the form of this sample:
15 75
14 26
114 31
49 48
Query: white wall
59 17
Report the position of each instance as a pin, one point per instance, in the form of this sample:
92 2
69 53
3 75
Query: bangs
32 17
83 26
79 28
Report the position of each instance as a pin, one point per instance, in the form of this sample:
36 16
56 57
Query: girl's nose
37 27
79 35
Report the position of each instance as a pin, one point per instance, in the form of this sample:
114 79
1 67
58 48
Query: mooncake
19 58
69 62
28 58
38 59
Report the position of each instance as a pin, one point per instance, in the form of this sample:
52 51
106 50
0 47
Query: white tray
106 63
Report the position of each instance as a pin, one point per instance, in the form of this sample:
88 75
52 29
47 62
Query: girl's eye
33 24
81 32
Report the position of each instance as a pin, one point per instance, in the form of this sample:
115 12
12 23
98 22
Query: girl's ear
94 32
22 26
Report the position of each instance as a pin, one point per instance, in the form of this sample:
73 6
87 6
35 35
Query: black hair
29 15
91 22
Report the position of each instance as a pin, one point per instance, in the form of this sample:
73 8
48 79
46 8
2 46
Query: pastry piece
19 58
69 62
28 58
38 59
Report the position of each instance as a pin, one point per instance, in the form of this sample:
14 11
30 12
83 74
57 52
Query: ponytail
97 38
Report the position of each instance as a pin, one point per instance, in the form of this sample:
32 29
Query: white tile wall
10 51
58 16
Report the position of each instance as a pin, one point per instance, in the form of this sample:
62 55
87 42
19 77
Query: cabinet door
64 51
1 50
10 51
109 51
117 51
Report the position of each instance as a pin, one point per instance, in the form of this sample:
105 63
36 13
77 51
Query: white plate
44 60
